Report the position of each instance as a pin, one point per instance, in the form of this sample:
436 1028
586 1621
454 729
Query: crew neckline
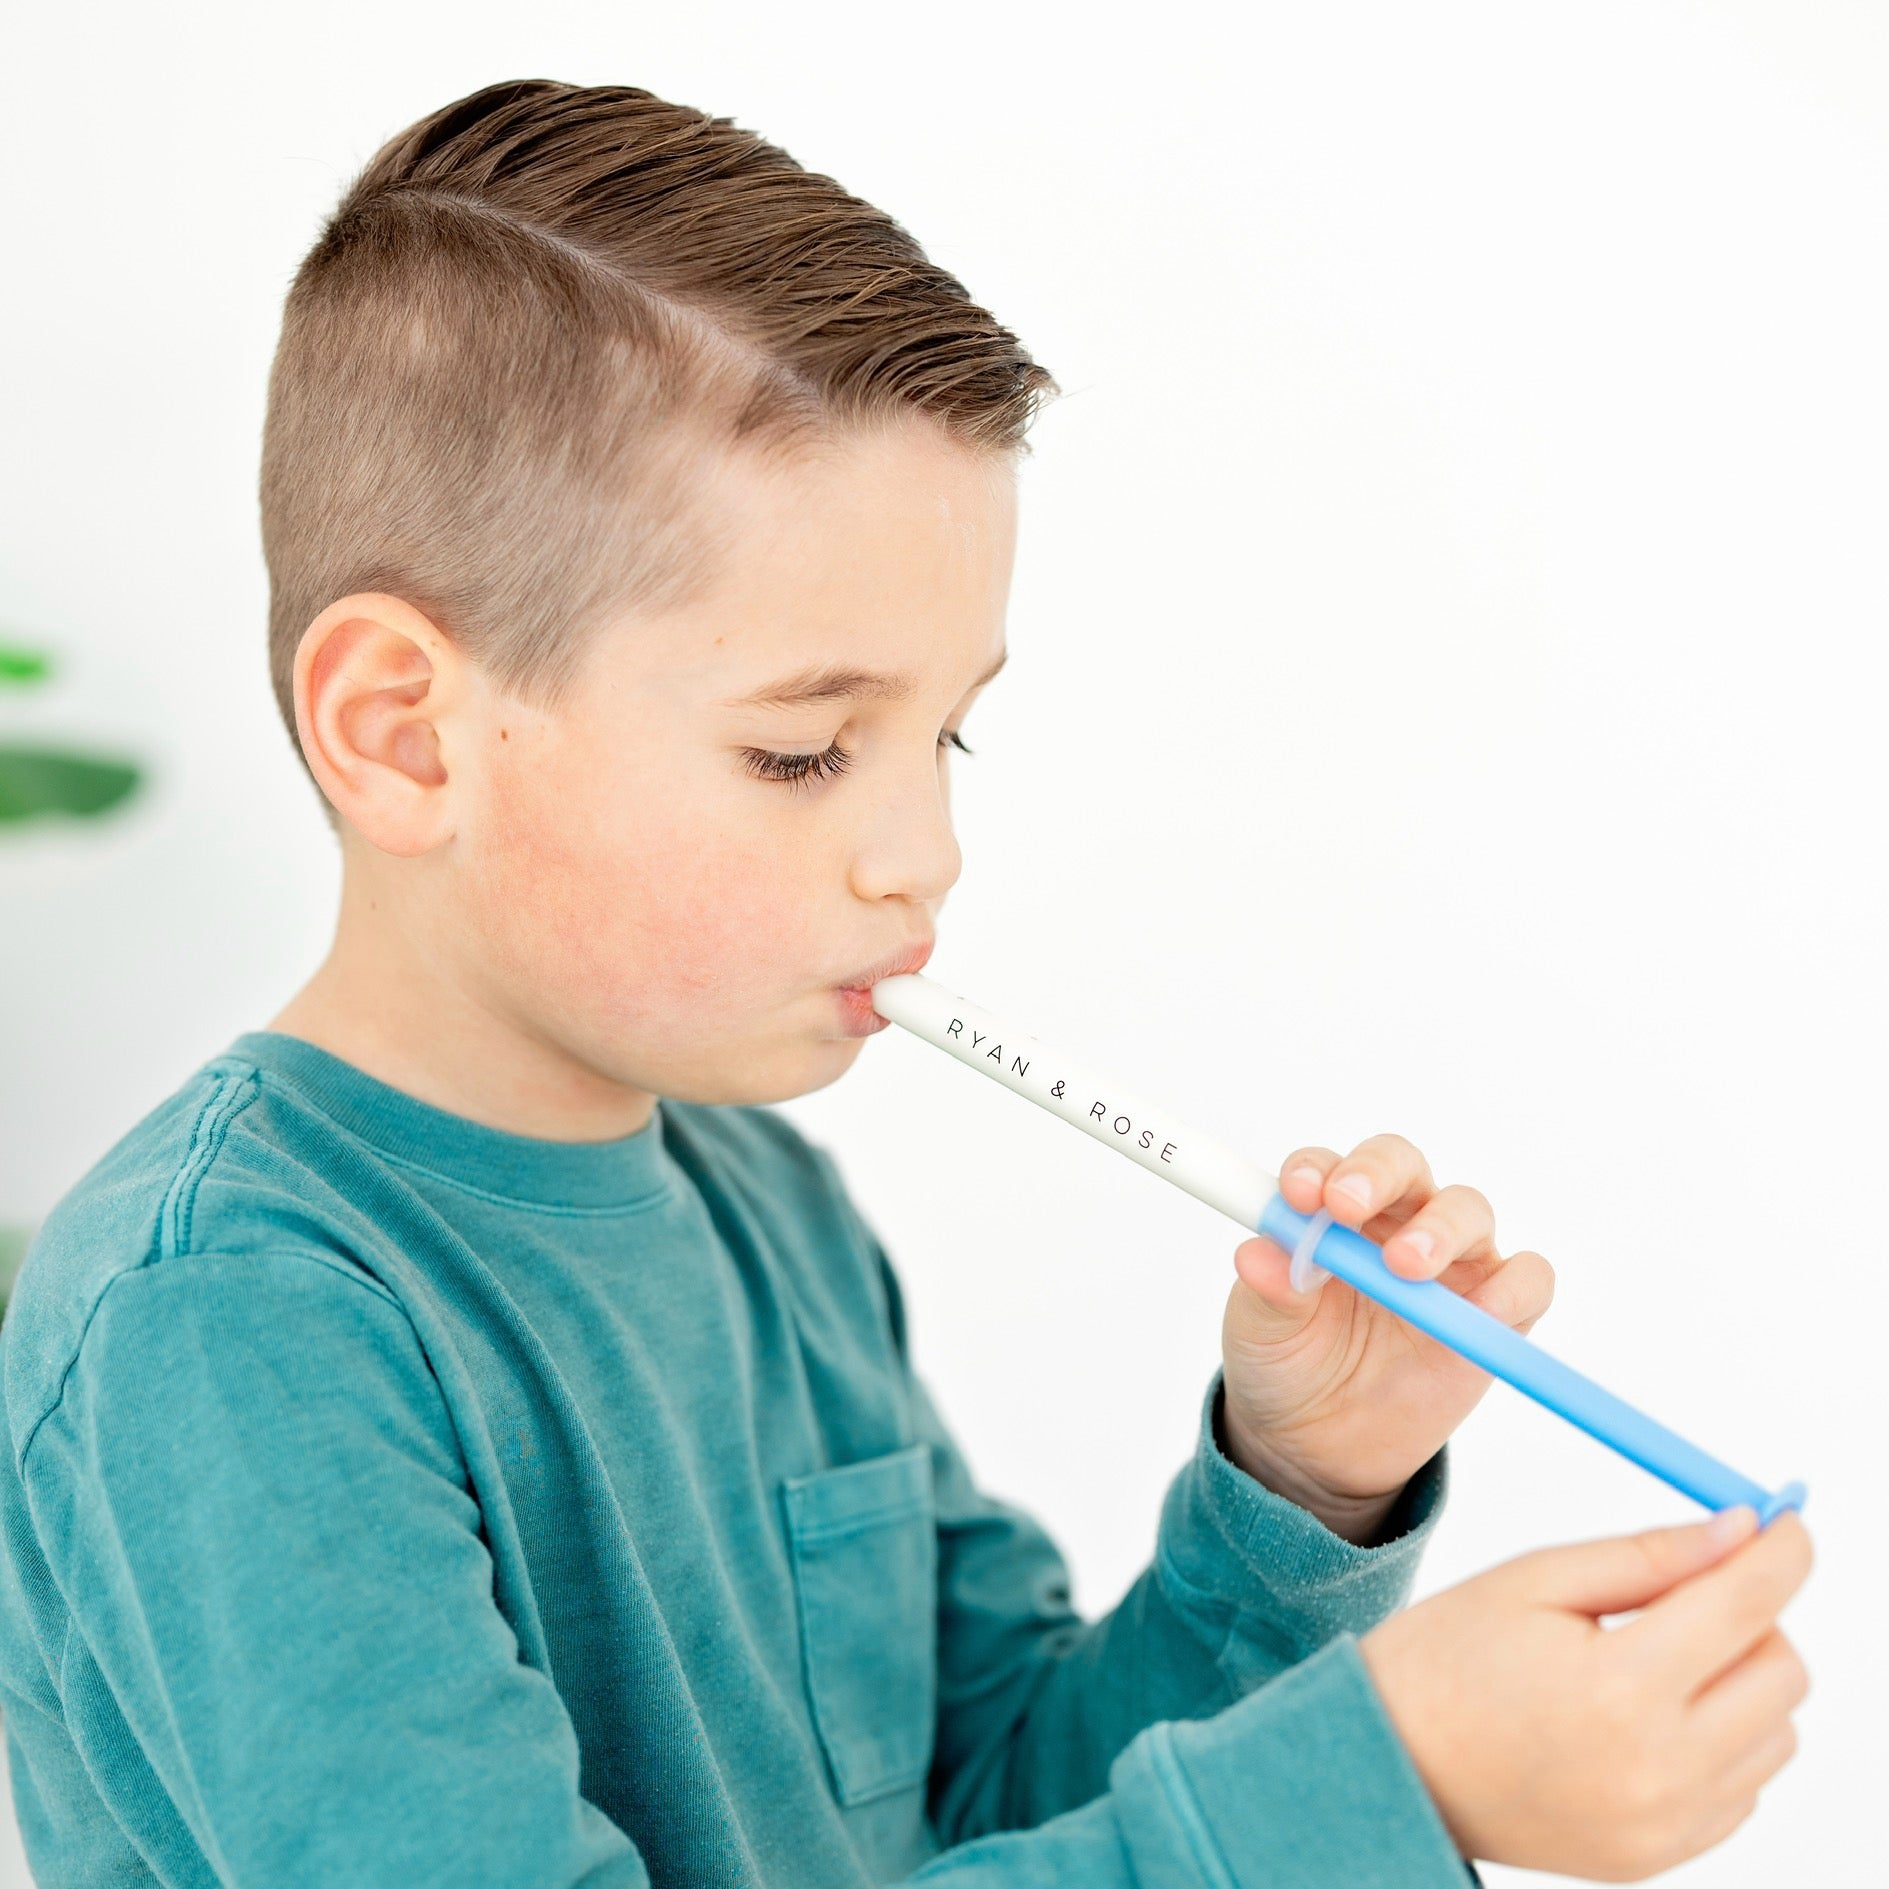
629 1170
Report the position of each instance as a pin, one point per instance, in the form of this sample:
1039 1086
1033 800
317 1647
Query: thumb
1265 1268
1621 1572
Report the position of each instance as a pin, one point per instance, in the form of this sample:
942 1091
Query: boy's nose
910 851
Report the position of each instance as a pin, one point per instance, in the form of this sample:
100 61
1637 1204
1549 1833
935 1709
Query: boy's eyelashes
793 769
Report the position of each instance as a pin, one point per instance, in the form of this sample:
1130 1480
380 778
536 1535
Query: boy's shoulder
145 1201
232 1163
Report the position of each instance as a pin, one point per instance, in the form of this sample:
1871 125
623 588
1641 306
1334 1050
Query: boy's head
592 414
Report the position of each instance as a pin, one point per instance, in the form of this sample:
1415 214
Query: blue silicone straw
1166 1146
1450 1319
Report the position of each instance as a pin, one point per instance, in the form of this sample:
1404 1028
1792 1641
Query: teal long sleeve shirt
391 1499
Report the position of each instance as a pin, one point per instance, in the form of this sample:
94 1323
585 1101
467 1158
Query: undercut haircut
529 329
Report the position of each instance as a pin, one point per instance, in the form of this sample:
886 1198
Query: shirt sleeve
252 1500
1300 1785
1221 1710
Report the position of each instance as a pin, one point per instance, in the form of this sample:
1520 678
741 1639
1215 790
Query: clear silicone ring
1306 1275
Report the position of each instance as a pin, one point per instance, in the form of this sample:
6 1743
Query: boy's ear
376 684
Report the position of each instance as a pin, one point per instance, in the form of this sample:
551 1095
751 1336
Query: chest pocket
864 1545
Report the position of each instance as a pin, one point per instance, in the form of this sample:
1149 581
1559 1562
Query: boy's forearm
1299 1785
1245 1582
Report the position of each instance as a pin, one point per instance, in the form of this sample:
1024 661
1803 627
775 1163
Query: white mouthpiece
1158 1141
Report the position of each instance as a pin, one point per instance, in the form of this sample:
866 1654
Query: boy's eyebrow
829 682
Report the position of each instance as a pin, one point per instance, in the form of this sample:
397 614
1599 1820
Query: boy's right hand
1551 1742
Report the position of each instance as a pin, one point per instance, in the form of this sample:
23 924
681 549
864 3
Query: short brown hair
532 316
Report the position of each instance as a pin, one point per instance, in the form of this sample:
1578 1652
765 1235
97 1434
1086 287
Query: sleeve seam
174 1211
228 1100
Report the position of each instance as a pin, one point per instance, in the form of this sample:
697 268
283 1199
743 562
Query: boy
465 1435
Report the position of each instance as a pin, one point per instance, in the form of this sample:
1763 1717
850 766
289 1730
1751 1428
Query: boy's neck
392 1006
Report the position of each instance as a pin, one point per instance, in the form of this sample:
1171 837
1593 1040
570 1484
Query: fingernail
1358 1186
1420 1242
1729 1524
1307 1176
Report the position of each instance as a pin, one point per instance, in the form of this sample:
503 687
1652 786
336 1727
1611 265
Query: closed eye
792 769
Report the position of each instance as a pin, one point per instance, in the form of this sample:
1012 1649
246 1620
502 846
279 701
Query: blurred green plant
13 1244
36 781
40 780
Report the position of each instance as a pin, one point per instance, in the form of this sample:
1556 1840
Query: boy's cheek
634 908
638 940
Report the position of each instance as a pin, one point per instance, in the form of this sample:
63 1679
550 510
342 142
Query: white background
1447 690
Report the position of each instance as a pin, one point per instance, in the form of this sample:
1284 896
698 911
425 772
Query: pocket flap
856 1495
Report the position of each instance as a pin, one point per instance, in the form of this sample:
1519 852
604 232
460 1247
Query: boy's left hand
1332 1399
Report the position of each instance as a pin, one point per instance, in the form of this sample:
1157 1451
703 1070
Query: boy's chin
814 1063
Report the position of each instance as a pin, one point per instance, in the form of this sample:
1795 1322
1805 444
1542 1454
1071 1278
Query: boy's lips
855 996
911 958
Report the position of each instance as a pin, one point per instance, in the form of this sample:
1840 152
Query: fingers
1456 1223
1302 1177
1711 1621
1617 1573
1739 1728
1758 1764
1431 1228
1517 1292
1743 1704
1374 1176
